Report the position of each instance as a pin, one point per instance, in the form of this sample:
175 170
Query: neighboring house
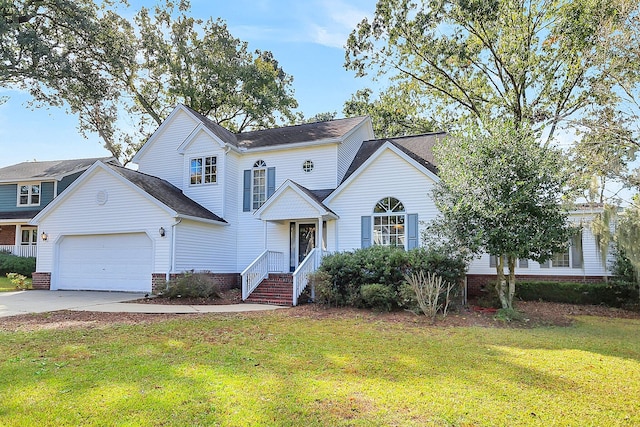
25 189
239 206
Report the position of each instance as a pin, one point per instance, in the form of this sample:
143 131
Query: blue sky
305 36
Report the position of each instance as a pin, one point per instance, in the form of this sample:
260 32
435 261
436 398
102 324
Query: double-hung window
203 170
29 194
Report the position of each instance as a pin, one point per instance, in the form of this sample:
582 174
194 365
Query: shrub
19 280
430 292
613 294
14 264
350 271
378 296
325 290
192 285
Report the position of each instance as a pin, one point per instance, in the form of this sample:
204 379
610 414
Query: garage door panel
114 262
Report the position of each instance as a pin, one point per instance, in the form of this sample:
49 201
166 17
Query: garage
105 262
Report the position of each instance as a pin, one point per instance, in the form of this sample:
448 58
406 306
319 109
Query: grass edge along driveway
279 369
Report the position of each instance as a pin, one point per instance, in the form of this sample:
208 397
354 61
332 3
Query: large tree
396 112
123 77
545 62
500 193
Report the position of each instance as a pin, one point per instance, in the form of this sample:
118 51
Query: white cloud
333 21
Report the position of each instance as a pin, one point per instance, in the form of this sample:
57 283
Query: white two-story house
239 206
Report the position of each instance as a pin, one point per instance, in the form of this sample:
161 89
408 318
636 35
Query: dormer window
203 170
29 194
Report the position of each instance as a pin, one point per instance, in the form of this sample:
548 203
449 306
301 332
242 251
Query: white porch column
265 235
320 233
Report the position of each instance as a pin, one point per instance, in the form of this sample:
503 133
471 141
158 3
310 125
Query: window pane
210 170
196 171
24 189
560 259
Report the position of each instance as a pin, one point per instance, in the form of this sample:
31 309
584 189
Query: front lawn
286 368
7 286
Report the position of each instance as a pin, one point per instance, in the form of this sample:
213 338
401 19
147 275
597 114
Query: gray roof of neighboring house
332 129
418 147
54 169
167 193
19 214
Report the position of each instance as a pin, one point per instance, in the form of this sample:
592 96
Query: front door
302 241
306 240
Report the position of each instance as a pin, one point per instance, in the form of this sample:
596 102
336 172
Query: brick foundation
478 283
41 281
226 281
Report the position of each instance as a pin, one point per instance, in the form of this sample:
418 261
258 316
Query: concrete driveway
22 302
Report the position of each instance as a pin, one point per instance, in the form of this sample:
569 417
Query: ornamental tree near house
500 193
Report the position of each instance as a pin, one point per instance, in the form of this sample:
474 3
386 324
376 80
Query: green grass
6 285
281 370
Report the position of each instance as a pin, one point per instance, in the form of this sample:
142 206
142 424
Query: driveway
23 302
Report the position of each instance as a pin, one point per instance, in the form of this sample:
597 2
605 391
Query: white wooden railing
20 250
301 275
267 262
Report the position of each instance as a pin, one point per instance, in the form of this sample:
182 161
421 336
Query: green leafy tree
544 62
500 193
396 112
122 77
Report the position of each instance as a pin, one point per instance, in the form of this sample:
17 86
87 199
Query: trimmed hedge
613 294
14 264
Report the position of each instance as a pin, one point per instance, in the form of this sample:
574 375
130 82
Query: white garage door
105 262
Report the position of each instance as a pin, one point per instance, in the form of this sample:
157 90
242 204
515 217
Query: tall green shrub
14 264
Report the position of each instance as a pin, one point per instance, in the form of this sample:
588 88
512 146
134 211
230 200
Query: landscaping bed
536 314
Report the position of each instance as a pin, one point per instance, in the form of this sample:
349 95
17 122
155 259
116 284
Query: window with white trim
29 194
29 236
561 259
258 184
203 170
389 219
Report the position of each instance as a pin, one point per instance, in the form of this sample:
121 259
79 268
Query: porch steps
276 289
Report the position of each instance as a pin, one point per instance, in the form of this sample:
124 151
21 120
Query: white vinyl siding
162 159
388 174
204 247
349 147
126 211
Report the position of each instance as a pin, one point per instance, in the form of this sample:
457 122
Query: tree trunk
511 261
501 284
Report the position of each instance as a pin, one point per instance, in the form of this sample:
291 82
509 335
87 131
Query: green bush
349 272
613 294
14 264
192 285
378 296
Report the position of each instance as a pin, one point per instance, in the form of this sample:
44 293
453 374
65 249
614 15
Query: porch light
161 231
44 236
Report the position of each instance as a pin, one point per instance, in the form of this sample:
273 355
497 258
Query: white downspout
172 257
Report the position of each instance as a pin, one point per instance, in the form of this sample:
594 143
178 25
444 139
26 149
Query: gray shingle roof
166 193
306 132
332 129
19 214
418 147
54 169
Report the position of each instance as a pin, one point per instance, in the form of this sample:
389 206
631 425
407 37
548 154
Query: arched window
389 218
259 183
